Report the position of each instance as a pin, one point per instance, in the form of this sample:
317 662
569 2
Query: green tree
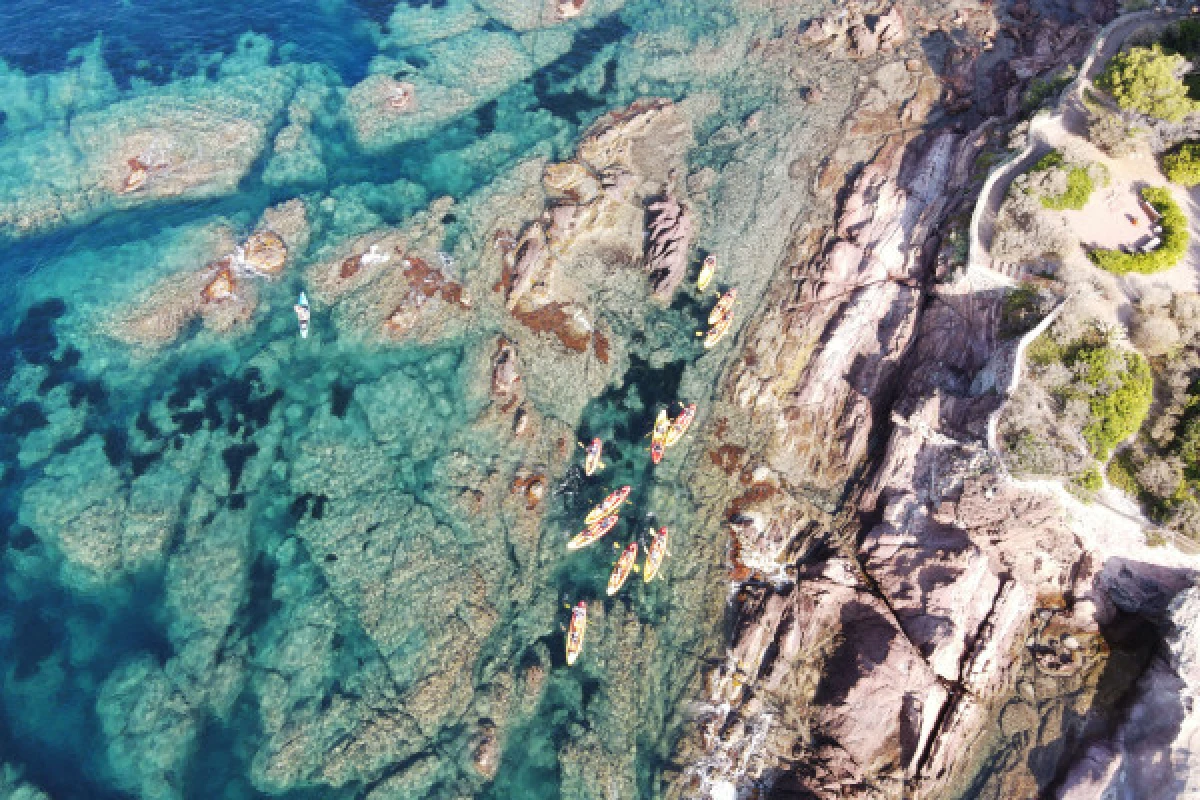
1149 81
1183 165
1117 412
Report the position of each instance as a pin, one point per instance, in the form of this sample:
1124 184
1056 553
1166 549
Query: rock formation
223 293
671 228
907 618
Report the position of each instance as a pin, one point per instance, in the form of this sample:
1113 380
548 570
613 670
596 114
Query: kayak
593 533
302 303
707 270
658 436
608 507
576 631
717 332
655 552
592 462
723 307
621 570
680 425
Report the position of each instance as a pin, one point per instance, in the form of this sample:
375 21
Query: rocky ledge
907 619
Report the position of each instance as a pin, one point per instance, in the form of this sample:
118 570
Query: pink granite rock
671 227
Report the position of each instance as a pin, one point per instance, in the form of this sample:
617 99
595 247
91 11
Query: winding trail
1049 130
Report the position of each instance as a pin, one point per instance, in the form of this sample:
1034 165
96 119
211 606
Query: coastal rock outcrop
907 617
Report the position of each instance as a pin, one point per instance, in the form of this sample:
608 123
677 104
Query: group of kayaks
667 432
719 319
603 518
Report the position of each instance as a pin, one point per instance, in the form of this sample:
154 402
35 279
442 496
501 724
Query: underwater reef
235 562
241 563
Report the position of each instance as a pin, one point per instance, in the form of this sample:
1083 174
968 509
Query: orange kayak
658 437
707 270
621 570
723 307
592 461
656 551
576 631
609 506
717 332
680 425
593 533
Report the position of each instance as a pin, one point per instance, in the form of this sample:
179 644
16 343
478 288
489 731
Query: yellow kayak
680 425
717 332
707 270
608 507
593 533
621 570
656 551
576 631
723 307
658 436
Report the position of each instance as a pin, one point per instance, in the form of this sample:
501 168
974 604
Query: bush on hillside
1122 389
1166 255
1149 80
1079 190
1060 184
1183 165
1026 233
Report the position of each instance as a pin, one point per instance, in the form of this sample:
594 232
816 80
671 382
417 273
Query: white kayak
302 314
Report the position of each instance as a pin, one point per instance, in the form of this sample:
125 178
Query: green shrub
1121 473
1090 479
1020 312
1079 190
1117 411
1168 254
1148 80
1183 38
1187 442
1183 165
1079 182
1042 89
1051 160
1043 351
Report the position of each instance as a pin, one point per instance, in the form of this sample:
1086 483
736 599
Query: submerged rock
486 752
221 287
264 252
504 370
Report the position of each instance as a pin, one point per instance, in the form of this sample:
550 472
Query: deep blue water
158 40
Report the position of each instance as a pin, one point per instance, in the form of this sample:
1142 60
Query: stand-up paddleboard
302 314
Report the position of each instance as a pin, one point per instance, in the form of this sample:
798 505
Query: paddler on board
592 452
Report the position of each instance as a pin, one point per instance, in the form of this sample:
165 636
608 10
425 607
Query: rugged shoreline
939 630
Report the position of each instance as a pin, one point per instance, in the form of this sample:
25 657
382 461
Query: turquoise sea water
246 565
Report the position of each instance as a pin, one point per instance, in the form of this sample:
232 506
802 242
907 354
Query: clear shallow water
243 565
